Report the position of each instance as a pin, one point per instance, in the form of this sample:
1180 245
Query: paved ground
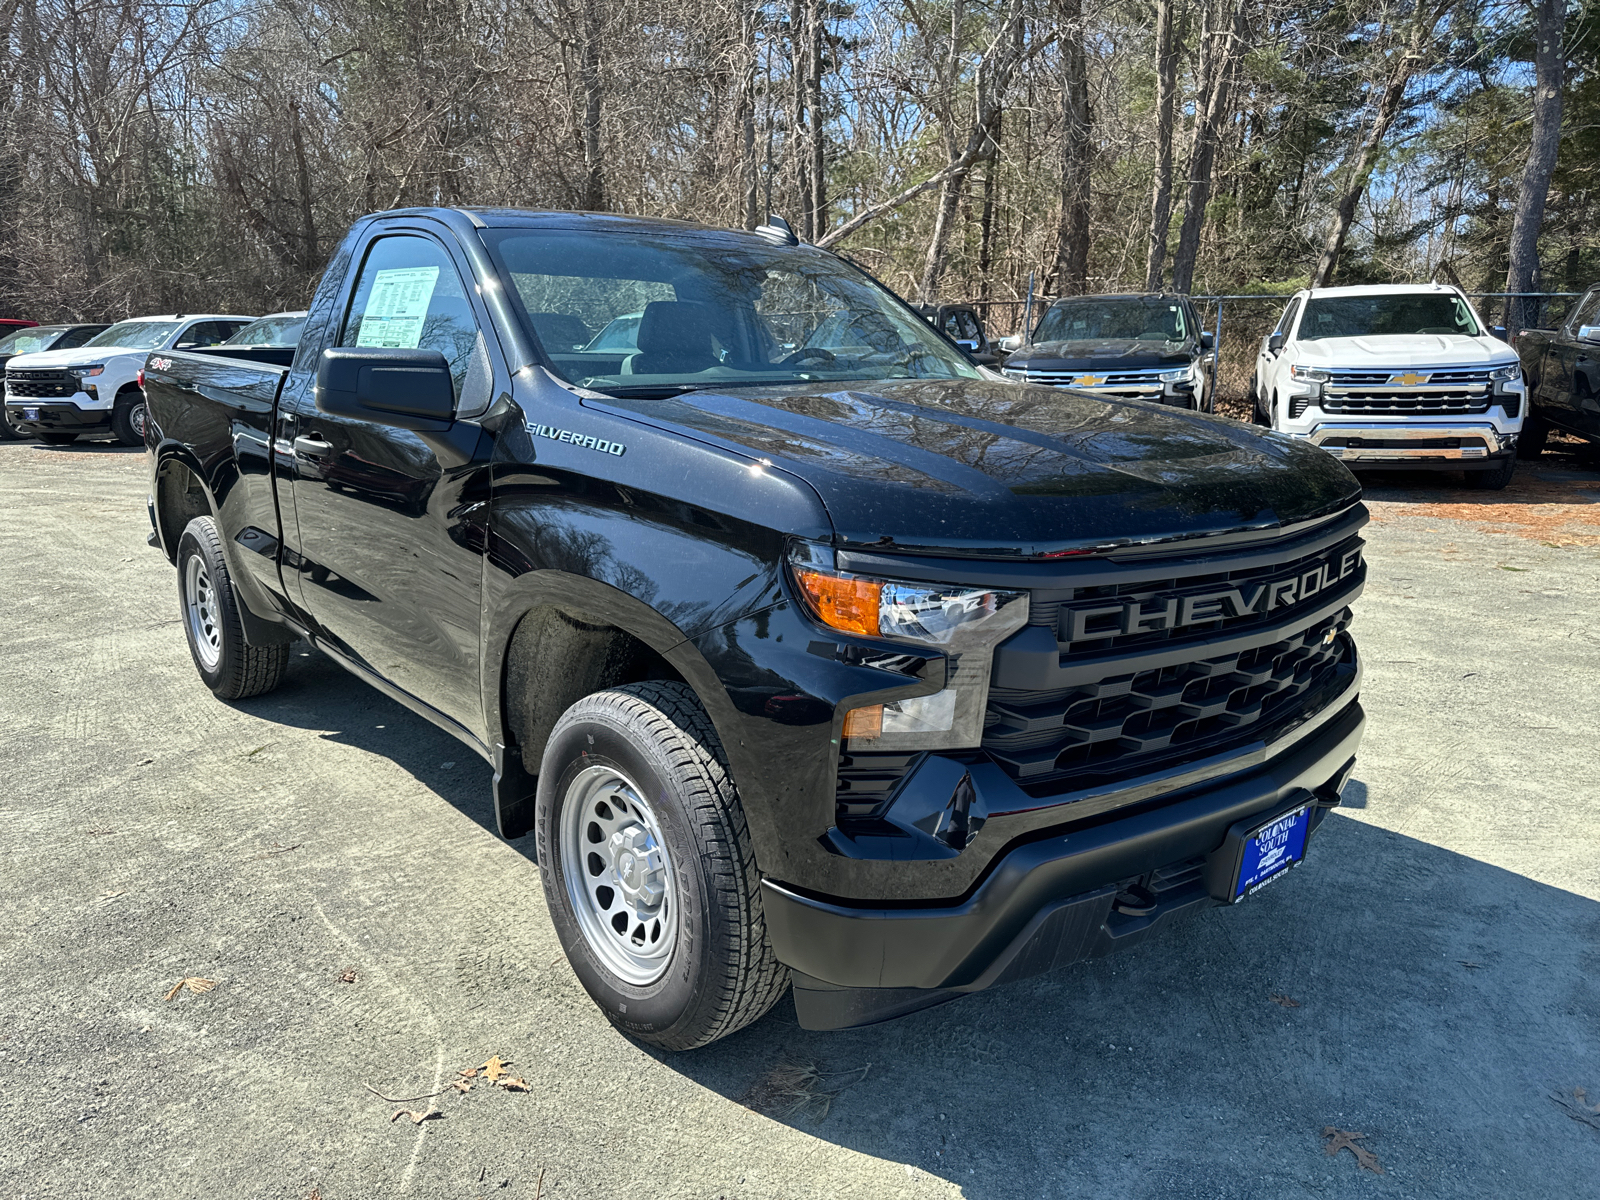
1441 947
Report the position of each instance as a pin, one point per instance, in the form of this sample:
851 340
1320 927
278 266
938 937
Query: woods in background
207 154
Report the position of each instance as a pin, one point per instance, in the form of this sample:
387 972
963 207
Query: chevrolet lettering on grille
1156 613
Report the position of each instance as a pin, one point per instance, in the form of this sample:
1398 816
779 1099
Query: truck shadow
1426 999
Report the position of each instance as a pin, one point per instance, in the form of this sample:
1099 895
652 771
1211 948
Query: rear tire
58 439
8 431
127 420
648 869
1492 479
231 667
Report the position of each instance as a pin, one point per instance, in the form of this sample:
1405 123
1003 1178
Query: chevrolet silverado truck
1394 376
855 668
93 390
1562 369
1138 347
31 340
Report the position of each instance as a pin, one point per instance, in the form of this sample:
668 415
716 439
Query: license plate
30 414
1272 850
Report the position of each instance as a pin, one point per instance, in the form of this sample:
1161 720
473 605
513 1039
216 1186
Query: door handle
312 447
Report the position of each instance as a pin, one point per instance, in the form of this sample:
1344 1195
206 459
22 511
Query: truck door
1576 390
390 537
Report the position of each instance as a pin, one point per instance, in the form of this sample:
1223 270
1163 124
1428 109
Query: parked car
30 339
963 325
94 389
1562 371
271 339
1137 347
1394 376
845 665
12 324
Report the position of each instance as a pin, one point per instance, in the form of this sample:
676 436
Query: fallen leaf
495 1068
512 1084
194 983
347 976
1579 1108
462 1085
416 1117
1286 1001
1343 1139
469 1073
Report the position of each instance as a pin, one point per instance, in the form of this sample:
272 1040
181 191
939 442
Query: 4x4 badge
578 439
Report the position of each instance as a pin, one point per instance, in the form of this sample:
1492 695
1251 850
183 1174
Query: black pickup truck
1562 369
855 667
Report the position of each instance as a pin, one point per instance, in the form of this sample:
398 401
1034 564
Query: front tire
231 667
8 431
648 870
1492 479
127 419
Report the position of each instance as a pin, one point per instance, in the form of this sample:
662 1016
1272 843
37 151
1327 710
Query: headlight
1014 374
87 372
1183 376
966 623
1309 374
1505 374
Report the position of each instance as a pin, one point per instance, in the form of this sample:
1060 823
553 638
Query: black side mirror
1498 331
408 389
1208 339
1275 343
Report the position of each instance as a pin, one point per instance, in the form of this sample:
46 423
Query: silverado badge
1408 379
1089 380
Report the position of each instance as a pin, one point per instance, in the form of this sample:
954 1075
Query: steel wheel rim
136 419
619 875
200 613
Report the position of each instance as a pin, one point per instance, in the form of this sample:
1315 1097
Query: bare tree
1161 185
1549 66
1077 158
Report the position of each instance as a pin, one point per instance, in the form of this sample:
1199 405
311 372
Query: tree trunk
1366 158
594 191
747 114
1072 233
800 158
1161 190
986 221
819 173
1218 88
1549 65
310 258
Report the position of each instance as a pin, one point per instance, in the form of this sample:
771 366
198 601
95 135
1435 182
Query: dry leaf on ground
513 1084
416 1117
1343 1139
1576 1105
1285 1001
194 983
800 1088
495 1068
347 976
462 1085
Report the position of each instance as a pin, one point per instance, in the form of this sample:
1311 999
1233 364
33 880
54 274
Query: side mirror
1589 333
408 389
968 345
1014 342
1498 331
1275 343
1208 340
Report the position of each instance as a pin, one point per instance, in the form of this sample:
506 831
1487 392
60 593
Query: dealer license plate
30 414
1272 850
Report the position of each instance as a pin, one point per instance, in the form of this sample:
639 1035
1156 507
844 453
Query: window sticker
397 308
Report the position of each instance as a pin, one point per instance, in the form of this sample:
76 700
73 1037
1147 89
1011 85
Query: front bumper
1049 901
1459 443
55 416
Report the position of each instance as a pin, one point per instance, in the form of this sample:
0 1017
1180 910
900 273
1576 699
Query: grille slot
41 384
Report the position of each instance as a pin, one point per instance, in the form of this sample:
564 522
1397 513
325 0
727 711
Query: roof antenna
777 230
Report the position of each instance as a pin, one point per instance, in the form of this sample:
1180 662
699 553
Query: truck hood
1005 470
1114 353
76 357
1407 350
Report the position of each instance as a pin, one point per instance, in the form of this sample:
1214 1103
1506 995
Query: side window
409 297
202 333
75 337
1587 310
1289 314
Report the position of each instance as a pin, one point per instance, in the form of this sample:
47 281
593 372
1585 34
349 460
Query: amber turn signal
864 722
848 605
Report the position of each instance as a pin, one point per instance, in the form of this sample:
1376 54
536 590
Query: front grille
1131 382
41 384
1131 724
1450 392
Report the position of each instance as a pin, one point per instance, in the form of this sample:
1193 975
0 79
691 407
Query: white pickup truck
94 389
1403 376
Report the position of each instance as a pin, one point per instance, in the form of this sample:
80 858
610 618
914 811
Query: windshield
1136 319
30 341
281 330
634 312
1396 313
135 335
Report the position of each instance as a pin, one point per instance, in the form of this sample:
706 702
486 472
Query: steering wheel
806 352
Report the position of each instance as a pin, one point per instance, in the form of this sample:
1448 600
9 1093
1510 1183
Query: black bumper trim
991 936
57 416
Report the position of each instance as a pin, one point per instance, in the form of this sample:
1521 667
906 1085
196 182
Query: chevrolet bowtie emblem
1089 380
1409 379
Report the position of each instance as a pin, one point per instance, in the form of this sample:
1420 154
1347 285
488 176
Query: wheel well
555 659
179 500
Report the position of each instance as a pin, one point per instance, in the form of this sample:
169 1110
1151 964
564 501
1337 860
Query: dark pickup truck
855 667
1562 369
1137 347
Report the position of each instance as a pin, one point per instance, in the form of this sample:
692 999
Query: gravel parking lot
1428 978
